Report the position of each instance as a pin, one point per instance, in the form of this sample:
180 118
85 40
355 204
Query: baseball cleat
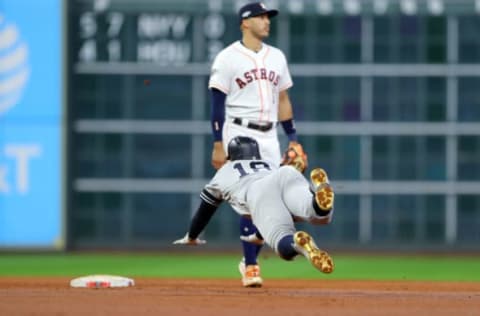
250 275
318 258
324 195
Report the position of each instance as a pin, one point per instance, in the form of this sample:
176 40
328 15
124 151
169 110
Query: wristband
290 130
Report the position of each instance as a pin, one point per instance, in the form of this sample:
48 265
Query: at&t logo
14 68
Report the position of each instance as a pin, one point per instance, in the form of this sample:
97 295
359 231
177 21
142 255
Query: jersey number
254 166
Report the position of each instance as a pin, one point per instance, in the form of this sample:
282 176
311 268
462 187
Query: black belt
258 127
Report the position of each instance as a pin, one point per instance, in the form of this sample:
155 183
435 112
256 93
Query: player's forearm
203 215
285 116
201 219
285 111
218 145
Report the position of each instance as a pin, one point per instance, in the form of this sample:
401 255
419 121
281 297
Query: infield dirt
200 297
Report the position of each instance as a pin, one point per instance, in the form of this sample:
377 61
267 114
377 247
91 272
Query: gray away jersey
232 181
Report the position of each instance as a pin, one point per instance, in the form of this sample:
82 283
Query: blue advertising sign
30 124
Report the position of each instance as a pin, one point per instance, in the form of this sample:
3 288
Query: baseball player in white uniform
248 83
273 197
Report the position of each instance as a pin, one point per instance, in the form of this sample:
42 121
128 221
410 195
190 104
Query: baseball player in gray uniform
273 197
248 84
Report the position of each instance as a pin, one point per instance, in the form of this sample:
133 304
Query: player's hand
253 238
188 241
219 157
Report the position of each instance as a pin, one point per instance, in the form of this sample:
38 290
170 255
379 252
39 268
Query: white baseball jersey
252 82
271 196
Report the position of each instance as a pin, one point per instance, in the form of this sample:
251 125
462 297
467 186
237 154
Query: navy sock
285 248
250 251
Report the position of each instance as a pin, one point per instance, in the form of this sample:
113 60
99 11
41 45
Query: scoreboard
121 32
176 33
385 98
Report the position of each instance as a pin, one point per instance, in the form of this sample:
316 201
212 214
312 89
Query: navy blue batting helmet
243 148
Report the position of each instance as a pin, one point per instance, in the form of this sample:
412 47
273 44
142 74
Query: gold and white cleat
318 258
324 195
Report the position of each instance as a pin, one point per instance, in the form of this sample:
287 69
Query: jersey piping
262 106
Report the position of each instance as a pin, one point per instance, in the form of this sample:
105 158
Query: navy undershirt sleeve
201 218
217 116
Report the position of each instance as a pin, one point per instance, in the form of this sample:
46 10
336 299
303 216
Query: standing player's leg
248 266
270 151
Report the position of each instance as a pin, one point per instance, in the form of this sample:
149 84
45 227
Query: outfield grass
354 267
